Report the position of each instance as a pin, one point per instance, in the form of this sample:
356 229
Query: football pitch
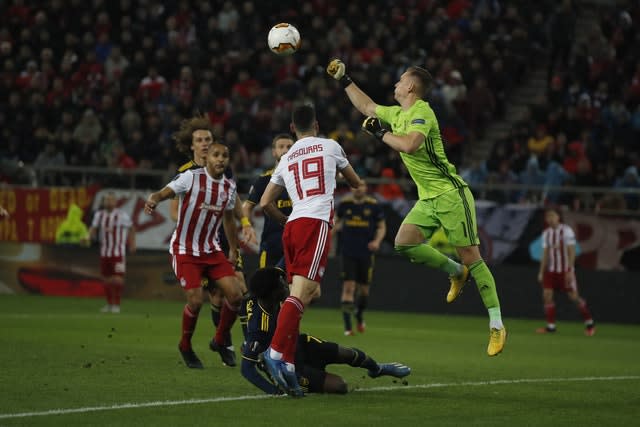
63 363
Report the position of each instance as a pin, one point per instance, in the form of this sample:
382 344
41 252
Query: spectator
630 179
538 144
389 190
151 86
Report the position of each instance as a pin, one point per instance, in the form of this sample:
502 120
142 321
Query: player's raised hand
338 70
373 127
3 213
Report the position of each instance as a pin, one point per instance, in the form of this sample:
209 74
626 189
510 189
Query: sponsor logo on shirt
418 121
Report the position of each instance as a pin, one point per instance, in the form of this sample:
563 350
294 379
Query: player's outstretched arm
250 372
351 176
157 197
363 103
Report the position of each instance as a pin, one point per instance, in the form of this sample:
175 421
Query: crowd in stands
105 83
584 130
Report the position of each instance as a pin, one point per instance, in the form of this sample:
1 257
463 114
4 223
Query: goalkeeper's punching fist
337 70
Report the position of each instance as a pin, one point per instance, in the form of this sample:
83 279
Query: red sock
117 293
228 316
550 313
286 335
108 292
189 320
584 311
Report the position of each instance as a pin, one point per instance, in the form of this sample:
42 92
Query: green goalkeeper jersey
428 166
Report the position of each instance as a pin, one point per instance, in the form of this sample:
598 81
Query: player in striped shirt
194 137
308 172
557 271
115 232
206 197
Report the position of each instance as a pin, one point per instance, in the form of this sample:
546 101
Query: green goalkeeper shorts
454 211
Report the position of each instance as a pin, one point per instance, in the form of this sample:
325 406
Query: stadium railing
600 200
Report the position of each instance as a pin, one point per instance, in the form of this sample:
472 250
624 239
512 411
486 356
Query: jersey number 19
311 168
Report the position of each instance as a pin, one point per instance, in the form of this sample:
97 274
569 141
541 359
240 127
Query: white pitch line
265 396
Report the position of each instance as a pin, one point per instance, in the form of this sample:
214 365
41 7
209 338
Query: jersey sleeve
181 183
340 156
386 114
543 239
233 196
249 370
379 212
277 176
569 236
257 189
96 219
125 220
421 121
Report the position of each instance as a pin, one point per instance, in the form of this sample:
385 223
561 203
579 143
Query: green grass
60 353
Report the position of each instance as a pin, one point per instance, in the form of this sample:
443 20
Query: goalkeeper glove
337 70
373 127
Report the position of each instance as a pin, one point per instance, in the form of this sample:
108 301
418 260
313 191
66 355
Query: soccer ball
283 39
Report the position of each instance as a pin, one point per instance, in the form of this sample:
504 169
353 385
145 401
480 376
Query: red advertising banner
35 213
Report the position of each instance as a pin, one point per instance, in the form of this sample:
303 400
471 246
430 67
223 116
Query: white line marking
265 396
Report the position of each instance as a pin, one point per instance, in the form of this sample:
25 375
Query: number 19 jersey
308 172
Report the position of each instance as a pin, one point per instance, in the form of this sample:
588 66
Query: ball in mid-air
284 39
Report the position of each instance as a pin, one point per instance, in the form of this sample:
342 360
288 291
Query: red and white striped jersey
203 201
556 240
308 171
113 230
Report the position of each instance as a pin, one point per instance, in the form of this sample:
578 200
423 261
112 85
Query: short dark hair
303 117
281 136
184 136
425 80
265 281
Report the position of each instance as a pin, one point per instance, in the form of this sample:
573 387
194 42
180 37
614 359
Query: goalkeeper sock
487 288
425 254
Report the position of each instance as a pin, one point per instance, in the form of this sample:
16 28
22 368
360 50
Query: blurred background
538 104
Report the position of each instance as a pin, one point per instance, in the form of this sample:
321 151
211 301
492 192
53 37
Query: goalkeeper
258 317
444 199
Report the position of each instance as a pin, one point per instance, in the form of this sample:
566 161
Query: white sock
275 355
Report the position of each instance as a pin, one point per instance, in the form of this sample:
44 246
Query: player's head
280 145
416 80
194 136
360 191
217 158
303 120
109 201
552 216
269 284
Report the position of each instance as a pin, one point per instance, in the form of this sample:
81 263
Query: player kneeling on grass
259 316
